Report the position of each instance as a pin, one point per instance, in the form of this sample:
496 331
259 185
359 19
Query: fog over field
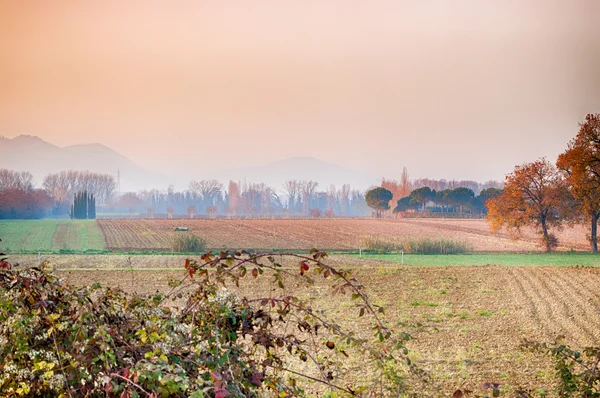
458 90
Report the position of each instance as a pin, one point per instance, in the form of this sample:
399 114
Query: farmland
50 235
326 234
468 317
264 234
473 319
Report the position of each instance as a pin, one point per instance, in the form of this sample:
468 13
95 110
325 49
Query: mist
460 90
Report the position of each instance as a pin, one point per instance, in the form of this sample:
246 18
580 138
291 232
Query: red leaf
257 378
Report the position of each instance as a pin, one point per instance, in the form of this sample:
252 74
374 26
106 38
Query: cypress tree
84 206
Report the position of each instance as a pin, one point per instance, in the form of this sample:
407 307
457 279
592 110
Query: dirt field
473 318
325 234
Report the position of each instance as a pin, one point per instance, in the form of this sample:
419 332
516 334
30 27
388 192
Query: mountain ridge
39 157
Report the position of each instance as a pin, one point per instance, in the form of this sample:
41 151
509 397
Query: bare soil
325 234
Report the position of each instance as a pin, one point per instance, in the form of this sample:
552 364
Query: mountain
33 154
30 153
300 168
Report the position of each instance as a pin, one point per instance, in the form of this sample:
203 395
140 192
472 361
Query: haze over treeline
21 199
463 89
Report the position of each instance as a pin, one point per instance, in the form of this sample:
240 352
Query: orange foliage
534 194
581 162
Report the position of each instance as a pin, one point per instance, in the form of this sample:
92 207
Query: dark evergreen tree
84 206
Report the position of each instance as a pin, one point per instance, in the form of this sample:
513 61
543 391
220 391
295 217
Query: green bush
188 244
415 245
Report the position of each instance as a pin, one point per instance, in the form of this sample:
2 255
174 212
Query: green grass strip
477 259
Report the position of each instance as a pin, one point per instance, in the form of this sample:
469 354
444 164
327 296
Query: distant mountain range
30 153
33 154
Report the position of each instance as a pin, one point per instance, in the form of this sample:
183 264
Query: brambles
91 341
188 244
578 372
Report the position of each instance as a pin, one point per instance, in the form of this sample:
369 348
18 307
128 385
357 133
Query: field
564 259
325 234
474 319
263 234
50 235
469 313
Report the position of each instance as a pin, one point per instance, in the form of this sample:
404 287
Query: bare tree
21 180
344 199
308 189
208 189
292 188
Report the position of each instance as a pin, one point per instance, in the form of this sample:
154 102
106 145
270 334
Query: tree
10 179
581 162
534 194
442 199
405 204
460 197
84 206
478 203
210 190
24 204
379 200
422 195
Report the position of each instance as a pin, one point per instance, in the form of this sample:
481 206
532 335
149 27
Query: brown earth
325 234
472 319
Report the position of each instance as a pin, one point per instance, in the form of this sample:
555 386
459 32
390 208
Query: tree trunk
594 233
545 236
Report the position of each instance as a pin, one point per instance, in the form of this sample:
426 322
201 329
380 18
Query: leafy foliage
581 162
83 207
188 243
57 340
578 372
422 195
534 194
379 199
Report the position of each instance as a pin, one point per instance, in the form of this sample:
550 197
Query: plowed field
325 234
474 319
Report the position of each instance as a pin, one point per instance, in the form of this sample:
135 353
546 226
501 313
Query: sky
449 89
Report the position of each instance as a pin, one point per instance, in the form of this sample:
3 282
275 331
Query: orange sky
455 89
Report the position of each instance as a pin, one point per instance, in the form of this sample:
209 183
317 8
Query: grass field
468 322
50 235
479 259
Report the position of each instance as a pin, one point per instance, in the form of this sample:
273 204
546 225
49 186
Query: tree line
459 200
19 198
208 197
248 199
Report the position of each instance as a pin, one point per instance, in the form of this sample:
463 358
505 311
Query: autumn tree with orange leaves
535 194
581 162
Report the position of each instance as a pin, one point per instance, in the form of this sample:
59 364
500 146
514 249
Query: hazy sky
454 89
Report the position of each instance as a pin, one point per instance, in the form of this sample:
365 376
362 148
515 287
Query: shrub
578 372
188 244
58 340
415 245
